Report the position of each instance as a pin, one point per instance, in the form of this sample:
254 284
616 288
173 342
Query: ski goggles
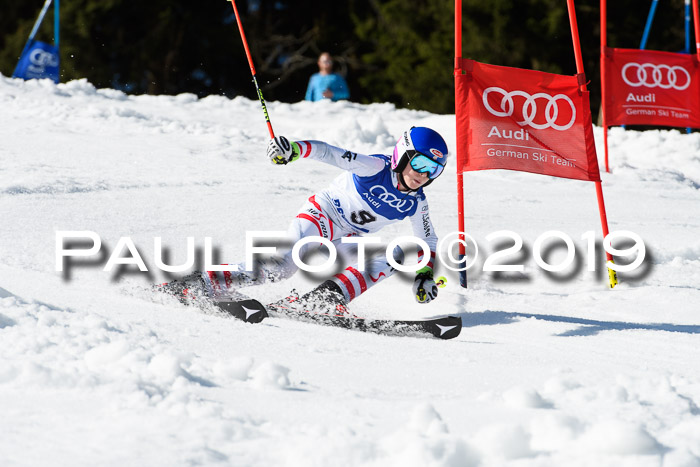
424 164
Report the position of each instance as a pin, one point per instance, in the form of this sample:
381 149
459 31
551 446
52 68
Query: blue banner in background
39 60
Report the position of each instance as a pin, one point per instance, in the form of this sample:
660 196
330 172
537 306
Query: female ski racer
374 191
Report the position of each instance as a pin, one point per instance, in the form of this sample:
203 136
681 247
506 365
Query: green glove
281 151
424 287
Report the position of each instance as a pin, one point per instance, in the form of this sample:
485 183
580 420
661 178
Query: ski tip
250 311
447 328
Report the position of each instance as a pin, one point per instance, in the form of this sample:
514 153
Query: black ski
446 327
323 305
252 311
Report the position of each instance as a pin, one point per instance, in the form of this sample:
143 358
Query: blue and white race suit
362 200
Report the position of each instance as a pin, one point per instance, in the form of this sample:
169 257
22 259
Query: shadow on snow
588 327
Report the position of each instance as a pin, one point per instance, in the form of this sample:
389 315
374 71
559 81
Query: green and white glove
281 151
424 287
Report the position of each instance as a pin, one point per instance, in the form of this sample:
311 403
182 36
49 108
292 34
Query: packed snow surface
551 369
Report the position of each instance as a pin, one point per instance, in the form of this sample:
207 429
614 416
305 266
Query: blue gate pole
34 30
56 22
56 33
647 28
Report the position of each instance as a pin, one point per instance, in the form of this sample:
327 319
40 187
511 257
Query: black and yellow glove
424 287
281 151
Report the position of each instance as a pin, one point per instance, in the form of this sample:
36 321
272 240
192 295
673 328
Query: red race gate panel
516 119
647 87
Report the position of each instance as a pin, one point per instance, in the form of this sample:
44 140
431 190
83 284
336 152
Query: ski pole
252 68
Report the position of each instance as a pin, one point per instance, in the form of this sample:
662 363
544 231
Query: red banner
510 118
647 87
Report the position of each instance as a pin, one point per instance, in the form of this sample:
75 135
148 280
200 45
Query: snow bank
548 370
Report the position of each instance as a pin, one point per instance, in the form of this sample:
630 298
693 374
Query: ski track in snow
547 371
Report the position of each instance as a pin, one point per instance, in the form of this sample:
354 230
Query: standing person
375 191
325 84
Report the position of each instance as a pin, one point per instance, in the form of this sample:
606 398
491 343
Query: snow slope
549 369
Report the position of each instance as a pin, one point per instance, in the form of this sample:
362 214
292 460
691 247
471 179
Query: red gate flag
516 119
647 87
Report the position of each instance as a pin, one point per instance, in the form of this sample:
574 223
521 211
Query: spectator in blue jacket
325 84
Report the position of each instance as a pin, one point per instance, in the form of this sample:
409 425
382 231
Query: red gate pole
252 69
603 82
460 174
612 275
696 24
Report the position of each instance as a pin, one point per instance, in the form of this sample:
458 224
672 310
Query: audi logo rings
42 58
401 205
657 76
529 110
